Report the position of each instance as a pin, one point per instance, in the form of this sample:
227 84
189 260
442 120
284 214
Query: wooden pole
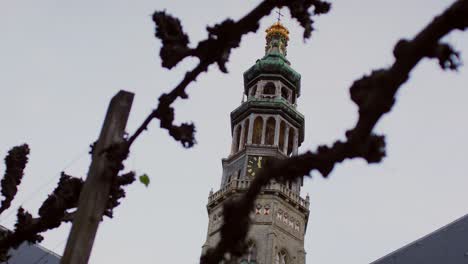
95 193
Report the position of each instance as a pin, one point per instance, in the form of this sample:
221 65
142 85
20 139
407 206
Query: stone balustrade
272 187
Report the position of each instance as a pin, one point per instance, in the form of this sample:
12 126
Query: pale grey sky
61 62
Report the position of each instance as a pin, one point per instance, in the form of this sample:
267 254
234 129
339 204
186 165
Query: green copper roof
273 63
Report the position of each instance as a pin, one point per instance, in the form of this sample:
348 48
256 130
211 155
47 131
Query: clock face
254 164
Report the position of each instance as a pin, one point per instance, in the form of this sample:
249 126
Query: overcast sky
61 62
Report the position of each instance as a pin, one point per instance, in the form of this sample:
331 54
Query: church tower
266 125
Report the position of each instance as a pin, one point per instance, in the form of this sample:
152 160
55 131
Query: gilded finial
277 37
277 29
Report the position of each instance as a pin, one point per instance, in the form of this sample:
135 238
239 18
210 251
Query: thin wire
78 157
47 183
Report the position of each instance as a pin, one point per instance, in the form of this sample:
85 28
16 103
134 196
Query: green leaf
145 179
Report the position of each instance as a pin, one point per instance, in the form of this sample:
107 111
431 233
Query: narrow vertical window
253 90
281 257
250 257
270 131
257 130
290 141
252 253
236 142
269 89
285 93
246 132
282 133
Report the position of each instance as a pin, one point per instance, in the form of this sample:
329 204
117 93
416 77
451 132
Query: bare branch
173 38
116 192
51 213
183 133
68 217
56 210
15 163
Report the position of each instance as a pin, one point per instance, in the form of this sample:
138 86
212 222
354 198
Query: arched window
250 257
281 257
293 98
257 130
237 134
285 93
253 90
290 141
269 89
270 131
246 133
282 133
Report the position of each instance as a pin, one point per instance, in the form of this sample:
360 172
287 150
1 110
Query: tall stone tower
266 125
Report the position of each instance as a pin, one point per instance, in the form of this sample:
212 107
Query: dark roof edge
2 228
458 220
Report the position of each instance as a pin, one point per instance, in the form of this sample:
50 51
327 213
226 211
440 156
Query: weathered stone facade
266 125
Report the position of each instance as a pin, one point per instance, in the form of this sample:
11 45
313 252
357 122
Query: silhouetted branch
68 217
15 163
183 133
174 39
374 96
64 197
448 58
117 192
55 210
222 38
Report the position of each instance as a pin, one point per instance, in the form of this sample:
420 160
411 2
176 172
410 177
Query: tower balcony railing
272 187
